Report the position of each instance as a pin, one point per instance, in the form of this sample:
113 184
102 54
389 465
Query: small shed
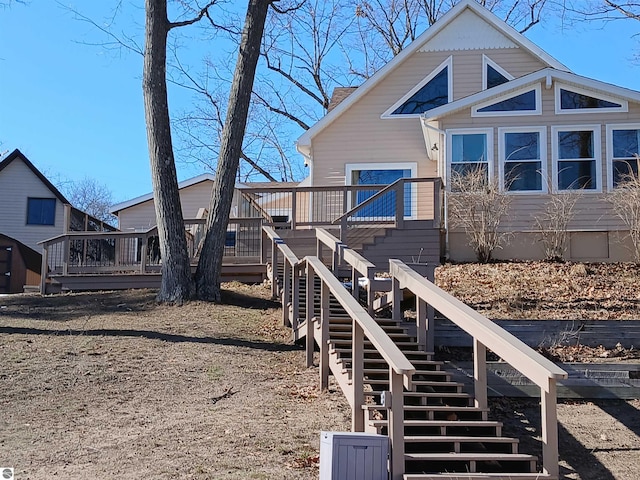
19 265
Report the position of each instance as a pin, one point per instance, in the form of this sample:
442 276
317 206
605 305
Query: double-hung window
522 153
470 152
576 157
623 147
41 211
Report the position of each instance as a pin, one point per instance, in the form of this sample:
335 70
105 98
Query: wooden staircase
442 431
446 436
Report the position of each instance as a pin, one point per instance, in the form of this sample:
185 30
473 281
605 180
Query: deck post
549 417
44 269
324 336
310 341
480 374
143 254
294 212
437 202
396 425
66 247
286 292
343 220
399 205
357 375
355 286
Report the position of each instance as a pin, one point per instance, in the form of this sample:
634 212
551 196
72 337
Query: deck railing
78 253
347 205
486 335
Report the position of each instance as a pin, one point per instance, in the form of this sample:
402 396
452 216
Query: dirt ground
111 385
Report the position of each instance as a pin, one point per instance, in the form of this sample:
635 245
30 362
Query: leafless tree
92 197
476 204
177 283
209 269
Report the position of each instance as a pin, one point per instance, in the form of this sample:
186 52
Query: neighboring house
472 92
32 209
138 214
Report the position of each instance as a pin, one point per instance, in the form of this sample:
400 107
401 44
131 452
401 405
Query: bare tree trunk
210 265
177 283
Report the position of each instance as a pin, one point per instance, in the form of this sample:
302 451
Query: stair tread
442 423
435 408
476 476
469 456
458 438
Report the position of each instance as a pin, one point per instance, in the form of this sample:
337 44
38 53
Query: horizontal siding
192 199
17 184
361 136
592 211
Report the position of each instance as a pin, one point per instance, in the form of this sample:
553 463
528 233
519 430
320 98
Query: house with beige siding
32 209
472 93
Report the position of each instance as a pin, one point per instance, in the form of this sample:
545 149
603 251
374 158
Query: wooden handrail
374 332
369 200
515 352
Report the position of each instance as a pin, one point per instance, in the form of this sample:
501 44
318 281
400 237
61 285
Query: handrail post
421 324
324 336
357 375
480 373
44 269
343 220
396 292
309 339
295 299
370 292
263 246
286 292
400 205
437 203
274 269
549 414
396 425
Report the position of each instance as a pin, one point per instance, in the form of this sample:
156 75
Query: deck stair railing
441 431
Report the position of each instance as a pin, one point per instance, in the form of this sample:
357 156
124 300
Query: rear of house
472 93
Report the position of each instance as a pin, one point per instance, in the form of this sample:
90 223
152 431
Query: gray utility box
353 456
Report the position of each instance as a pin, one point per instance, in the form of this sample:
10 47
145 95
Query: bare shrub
553 223
477 205
625 199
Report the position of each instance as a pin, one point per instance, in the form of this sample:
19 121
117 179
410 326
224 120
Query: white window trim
465 131
609 145
356 167
447 63
575 111
542 131
512 113
487 61
597 150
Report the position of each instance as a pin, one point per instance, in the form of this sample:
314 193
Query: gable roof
547 74
149 196
509 33
17 154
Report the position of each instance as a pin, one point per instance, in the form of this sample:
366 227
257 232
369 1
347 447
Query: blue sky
75 110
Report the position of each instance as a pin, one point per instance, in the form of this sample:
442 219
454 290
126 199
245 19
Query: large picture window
41 211
576 158
623 147
522 153
470 151
380 174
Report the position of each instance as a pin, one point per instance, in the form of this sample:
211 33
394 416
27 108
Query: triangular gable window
434 91
493 74
494 77
522 103
573 100
578 100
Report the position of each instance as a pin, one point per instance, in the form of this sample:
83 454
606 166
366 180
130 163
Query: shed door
5 268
